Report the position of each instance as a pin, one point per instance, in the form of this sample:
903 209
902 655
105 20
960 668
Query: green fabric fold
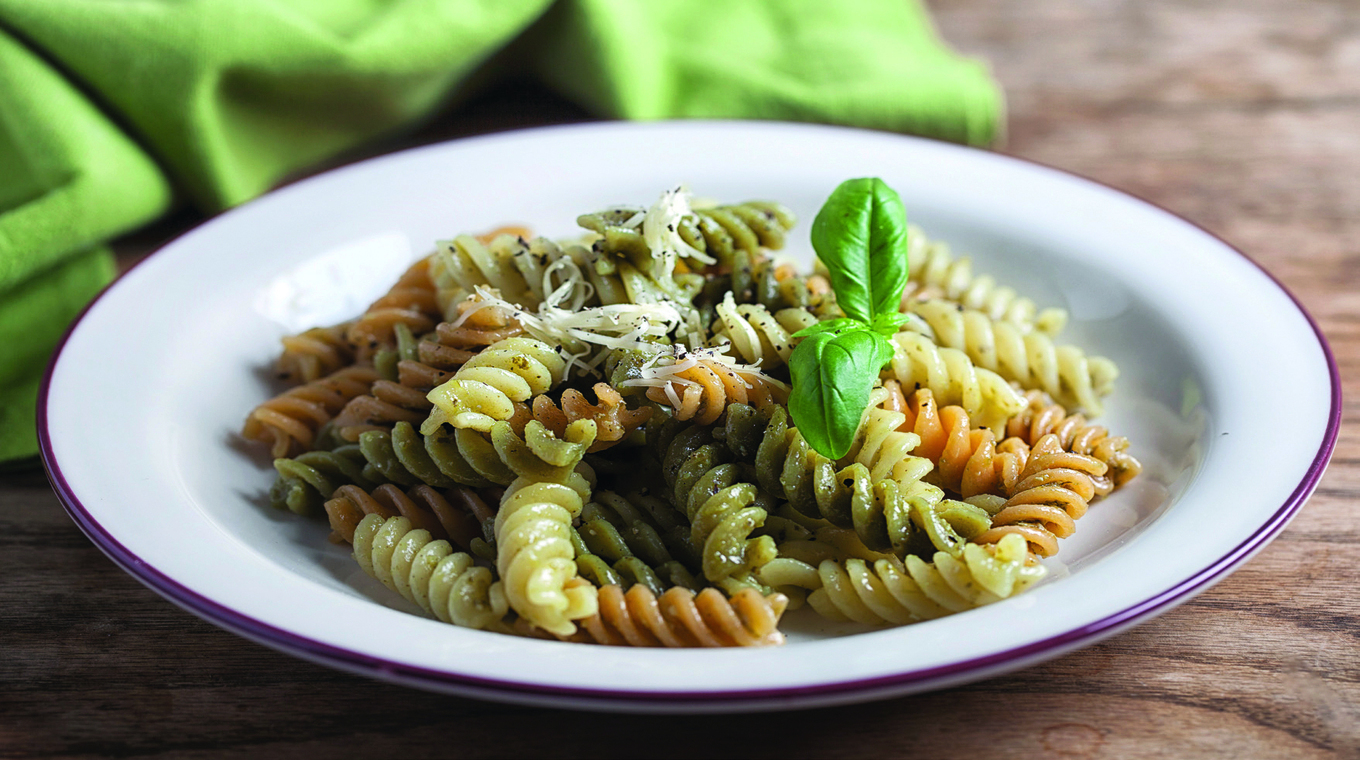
109 109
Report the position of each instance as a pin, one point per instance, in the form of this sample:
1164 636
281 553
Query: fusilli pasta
444 583
485 388
289 421
935 272
591 440
1029 357
682 618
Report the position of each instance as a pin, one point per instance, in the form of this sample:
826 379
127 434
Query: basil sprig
861 236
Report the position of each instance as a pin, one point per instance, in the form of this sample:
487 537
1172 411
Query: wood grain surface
1242 115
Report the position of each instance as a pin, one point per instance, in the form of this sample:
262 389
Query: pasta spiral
716 233
704 387
408 458
289 421
726 242
636 550
313 354
536 558
444 583
967 461
413 369
1027 356
1041 417
953 379
682 618
411 302
614 421
484 389
755 335
1054 490
426 508
877 489
887 591
722 506
534 551
753 278
934 269
721 231
524 272
306 481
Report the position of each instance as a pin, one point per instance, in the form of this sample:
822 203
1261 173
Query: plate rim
483 687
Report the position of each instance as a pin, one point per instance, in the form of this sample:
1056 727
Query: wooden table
1242 115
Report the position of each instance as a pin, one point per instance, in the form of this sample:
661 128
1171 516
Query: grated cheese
584 337
661 231
664 369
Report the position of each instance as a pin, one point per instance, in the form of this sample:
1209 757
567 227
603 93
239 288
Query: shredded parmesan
664 369
584 337
661 231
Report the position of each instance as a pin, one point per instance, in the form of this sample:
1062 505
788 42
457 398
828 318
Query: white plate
143 402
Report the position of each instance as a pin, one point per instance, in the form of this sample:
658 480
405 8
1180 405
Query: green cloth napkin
109 109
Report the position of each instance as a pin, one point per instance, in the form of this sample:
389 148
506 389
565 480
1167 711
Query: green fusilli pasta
307 480
723 504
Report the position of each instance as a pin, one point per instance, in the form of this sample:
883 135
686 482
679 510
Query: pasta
289 422
426 508
952 377
757 336
485 388
591 440
878 489
313 354
620 534
1030 357
682 618
444 583
414 367
613 420
305 482
1054 490
534 555
411 302
1041 416
720 504
889 591
700 388
935 272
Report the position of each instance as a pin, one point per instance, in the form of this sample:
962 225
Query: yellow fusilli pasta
887 591
934 272
756 336
484 389
951 376
1027 356
446 584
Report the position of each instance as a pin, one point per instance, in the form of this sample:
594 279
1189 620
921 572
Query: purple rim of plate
378 667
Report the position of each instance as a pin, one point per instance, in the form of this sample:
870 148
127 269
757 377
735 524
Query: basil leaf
833 374
889 325
861 236
830 325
